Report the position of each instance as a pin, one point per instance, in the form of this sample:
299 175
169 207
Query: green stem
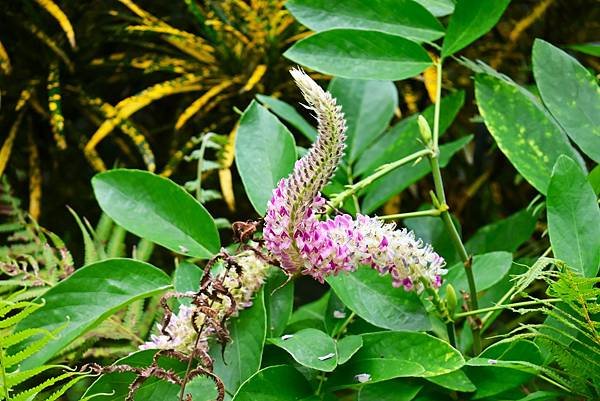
351 182
408 215
443 207
508 306
380 172
345 325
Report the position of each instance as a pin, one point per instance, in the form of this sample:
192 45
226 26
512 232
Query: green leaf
89 296
311 348
187 278
594 179
571 93
391 390
90 253
275 383
265 152
488 270
493 371
243 354
524 132
347 346
387 355
439 8
403 138
116 385
592 48
368 106
289 114
374 299
457 381
505 235
399 179
398 17
471 20
279 304
573 218
157 209
351 53
310 315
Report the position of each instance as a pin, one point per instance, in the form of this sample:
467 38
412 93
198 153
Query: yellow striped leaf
4 60
227 187
57 120
38 33
35 180
200 102
61 17
7 146
256 76
130 105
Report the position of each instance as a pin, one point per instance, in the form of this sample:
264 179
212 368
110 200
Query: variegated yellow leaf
227 187
35 180
430 81
24 97
200 102
61 17
256 76
7 146
38 33
130 105
226 153
4 60
57 120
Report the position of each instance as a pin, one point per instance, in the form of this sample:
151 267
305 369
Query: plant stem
351 182
380 172
508 306
408 215
443 207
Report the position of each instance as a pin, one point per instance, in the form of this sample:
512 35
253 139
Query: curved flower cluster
295 236
297 197
180 334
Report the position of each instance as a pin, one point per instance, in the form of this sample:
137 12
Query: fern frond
20 336
60 17
4 60
13 379
32 349
90 253
57 120
31 393
27 308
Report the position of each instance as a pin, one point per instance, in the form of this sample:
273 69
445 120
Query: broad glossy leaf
347 346
594 179
488 270
592 48
439 8
398 17
275 383
505 235
399 179
471 20
351 53
571 93
391 390
493 371
432 230
374 299
279 304
243 354
457 381
265 152
403 138
573 218
311 348
524 132
289 114
89 296
116 385
387 355
368 106
186 278
310 315
336 315
157 209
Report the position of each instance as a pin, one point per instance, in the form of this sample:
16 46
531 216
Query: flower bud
451 301
424 129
